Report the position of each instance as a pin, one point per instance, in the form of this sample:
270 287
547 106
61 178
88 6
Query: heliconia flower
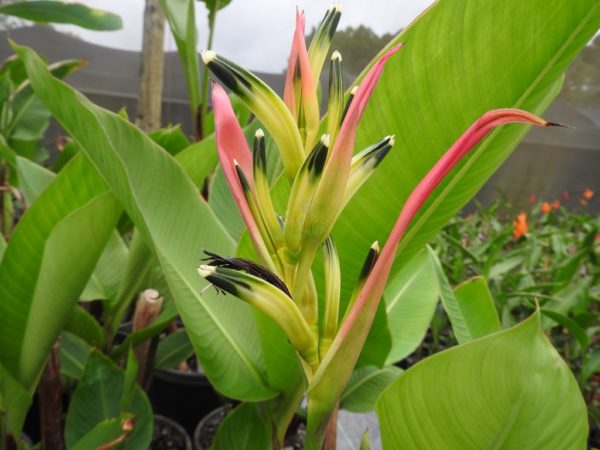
336 366
332 295
274 301
319 46
300 93
520 226
266 106
545 208
335 95
235 158
327 202
364 164
324 176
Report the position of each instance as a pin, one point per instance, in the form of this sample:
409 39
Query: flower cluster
324 173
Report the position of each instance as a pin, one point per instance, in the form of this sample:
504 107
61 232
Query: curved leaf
243 429
171 217
53 11
365 386
510 389
410 299
182 20
477 303
460 60
469 317
98 398
47 264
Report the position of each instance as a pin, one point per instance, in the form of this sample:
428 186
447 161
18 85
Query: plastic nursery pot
169 435
207 429
185 397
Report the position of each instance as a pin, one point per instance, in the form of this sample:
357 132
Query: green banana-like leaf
105 432
460 60
52 11
103 284
477 303
366 385
470 318
14 401
165 206
410 298
85 326
509 390
74 353
33 179
172 350
98 398
243 429
47 263
182 20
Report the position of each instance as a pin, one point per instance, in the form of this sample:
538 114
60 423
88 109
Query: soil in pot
206 431
185 397
169 435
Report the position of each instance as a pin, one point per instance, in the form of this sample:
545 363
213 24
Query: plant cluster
323 314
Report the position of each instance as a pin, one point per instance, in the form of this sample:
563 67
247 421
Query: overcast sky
255 33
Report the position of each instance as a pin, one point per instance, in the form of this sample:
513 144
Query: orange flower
520 226
556 204
545 208
588 194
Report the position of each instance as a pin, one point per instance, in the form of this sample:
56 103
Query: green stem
285 409
212 15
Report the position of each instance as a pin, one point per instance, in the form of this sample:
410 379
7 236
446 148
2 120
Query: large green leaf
508 390
33 179
460 60
98 398
14 401
366 385
243 429
172 350
182 20
105 432
410 299
47 263
172 218
53 11
471 316
104 282
476 301
74 353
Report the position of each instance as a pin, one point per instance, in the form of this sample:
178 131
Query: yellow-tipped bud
335 101
332 295
258 292
319 47
364 164
266 106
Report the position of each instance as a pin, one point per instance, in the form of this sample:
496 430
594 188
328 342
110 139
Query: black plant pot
169 435
185 397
